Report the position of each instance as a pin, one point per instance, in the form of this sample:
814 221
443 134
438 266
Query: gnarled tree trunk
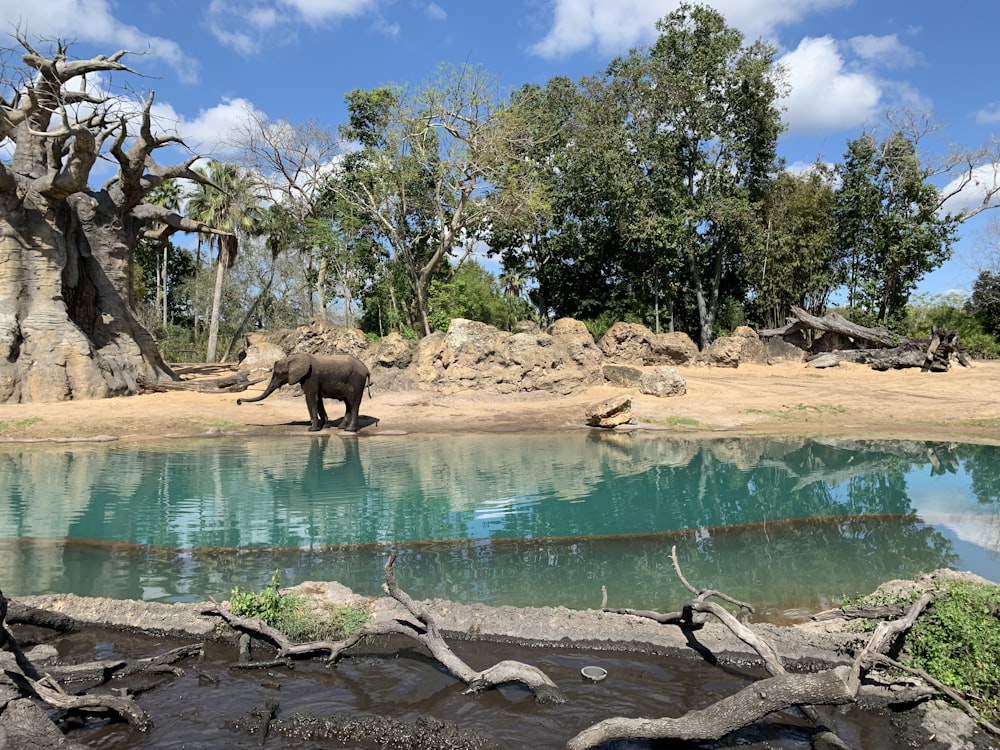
67 329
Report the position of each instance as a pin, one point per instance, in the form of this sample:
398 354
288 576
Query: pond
529 520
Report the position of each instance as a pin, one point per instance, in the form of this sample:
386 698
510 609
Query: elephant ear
298 368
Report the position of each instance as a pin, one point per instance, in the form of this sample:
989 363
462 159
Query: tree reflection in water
520 519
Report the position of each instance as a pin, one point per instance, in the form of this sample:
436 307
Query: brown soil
790 398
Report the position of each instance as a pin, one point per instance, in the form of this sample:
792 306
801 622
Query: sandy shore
790 398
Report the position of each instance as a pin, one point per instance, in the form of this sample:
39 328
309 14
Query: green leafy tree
701 132
984 302
653 177
473 293
531 242
797 262
429 156
889 228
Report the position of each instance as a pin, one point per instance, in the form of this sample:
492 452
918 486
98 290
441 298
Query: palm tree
227 201
168 195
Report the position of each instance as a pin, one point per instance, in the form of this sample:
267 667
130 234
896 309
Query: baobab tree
67 326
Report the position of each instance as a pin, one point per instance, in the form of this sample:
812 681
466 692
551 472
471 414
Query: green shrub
948 312
290 614
957 641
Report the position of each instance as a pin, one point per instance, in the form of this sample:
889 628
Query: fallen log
831 323
232 384
877 347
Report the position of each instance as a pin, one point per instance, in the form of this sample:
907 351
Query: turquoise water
500 519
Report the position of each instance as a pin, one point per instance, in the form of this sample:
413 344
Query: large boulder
634 343
663 381
394 352
261 349
744 345
473 355
611 412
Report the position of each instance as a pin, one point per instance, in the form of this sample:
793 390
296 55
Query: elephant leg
350 423
315 405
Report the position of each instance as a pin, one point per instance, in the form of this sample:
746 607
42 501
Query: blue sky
848 62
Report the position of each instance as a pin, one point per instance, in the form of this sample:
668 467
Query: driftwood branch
32 684
418 624
782 690
726 715
800 320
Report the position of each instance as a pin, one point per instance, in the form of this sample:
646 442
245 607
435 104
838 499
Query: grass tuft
289 613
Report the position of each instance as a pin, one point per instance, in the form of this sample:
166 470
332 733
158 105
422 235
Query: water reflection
524 520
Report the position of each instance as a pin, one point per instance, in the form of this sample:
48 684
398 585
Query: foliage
177 343
429 158
798 262
889 230
289 613
472 292
984 303
948 312
957 641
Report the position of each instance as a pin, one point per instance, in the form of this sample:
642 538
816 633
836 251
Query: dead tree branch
30 683
782 690
418 624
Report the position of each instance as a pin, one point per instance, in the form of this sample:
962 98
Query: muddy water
209 706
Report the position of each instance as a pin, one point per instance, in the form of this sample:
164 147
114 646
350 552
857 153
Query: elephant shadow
363 421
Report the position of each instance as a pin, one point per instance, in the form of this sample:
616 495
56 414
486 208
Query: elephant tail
368 385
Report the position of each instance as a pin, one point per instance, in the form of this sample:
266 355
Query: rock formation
476 356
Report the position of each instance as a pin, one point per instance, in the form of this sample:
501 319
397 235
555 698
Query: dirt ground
850 400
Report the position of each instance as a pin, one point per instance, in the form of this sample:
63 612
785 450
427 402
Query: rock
622 374
663 381
262 349
473 355
824 361
673 349
25 726
610 412
394 351
632 342
569 327
729 351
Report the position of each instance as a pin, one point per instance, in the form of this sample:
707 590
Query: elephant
339 376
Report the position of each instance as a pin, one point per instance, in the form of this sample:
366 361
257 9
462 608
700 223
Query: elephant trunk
271 388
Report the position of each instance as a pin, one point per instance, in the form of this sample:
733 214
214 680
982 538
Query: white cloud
209 133
988 115
247 25
92 21
985 178
613 28
825 95
887 51
316 11
436 12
